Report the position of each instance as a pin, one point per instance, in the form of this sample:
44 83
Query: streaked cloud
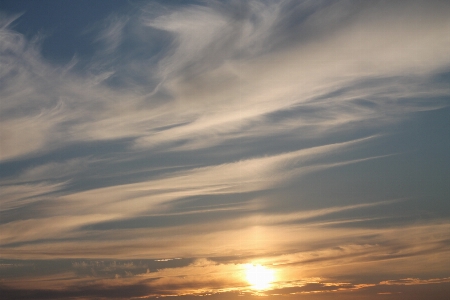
186 140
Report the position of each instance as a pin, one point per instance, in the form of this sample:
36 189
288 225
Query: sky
225 149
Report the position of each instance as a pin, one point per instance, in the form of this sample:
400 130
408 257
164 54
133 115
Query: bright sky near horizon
224 149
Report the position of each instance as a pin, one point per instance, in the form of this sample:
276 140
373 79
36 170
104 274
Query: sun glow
259 277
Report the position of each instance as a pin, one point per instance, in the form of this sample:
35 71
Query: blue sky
155 148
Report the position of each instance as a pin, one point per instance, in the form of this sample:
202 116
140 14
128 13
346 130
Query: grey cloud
111 292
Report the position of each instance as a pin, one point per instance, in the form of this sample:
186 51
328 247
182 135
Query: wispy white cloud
224 80
112 33
156 196
129 149
14 196
55 171
220 88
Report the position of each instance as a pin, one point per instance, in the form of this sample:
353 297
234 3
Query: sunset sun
259 277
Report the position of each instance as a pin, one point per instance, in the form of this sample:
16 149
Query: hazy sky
162 148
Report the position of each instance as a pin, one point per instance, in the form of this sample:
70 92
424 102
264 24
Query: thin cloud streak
306 136
132 200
